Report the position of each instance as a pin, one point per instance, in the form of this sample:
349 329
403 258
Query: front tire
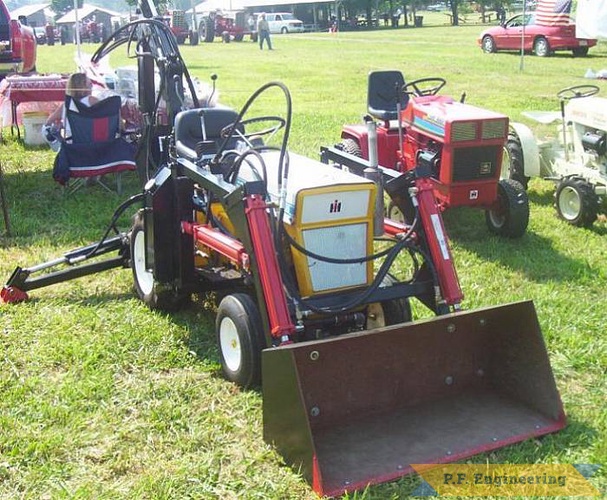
576 202
509 217
517 160
152 293
240 339
580 52
541 47
488 45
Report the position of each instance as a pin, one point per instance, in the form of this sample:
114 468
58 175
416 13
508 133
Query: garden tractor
575 159
313 287
467 143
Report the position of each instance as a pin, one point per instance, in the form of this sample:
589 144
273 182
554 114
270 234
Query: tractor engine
467 145
589 131
327 217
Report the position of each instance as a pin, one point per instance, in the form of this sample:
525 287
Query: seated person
80 87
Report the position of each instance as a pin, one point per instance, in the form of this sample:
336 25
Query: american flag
553 12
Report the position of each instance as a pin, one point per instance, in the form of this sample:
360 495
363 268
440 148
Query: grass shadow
533 254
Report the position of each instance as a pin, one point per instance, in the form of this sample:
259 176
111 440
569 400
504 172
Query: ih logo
335 207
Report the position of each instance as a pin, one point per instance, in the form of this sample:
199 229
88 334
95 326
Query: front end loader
310 309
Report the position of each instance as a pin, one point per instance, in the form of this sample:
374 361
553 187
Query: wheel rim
570 203
145 278
229 343
497 218
541 47
488 45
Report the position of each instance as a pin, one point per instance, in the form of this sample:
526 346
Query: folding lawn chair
94 147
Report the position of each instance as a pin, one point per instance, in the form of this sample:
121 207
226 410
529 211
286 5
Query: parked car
17 45
542 40
283 22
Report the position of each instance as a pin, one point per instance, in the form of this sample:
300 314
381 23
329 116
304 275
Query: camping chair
94 147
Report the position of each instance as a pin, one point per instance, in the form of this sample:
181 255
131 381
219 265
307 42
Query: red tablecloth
39 89
42 88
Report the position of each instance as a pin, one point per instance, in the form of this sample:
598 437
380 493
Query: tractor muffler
359 409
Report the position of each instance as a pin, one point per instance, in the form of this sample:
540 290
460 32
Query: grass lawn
102 398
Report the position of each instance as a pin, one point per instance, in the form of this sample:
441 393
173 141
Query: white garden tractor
576 159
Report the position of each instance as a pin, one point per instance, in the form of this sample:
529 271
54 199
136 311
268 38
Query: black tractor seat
384 94
189 138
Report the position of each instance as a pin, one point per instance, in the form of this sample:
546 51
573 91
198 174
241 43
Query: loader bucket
361 408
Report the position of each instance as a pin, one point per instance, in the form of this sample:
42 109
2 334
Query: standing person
263 30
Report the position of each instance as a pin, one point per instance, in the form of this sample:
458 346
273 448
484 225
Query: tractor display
575 159
227 25
466 142
312 281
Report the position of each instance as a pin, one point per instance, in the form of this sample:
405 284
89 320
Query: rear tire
351 147
488 45
284 30
517 160
541 47
576 202
154 294
510 215
207 30
240 339
389 312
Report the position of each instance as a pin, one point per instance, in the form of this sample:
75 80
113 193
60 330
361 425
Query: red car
542 40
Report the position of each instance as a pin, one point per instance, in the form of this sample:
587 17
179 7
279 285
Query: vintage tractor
227 25
467 144
575 160
305 294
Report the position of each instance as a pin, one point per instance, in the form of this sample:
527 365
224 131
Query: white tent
591 19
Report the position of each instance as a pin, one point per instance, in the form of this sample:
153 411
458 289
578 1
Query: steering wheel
276 123
577 91
424 86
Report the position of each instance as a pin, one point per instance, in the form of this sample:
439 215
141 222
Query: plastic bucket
32 122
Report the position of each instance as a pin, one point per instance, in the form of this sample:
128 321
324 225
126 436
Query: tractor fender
531 152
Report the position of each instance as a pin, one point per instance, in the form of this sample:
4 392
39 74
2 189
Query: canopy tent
591 19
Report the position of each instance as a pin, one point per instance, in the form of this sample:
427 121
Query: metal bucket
361 408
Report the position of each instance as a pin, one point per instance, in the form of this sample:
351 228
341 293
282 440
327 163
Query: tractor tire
153 294
351 147
240 339
488 45
576 202
239 37
193 38
541 47
389 312
225 37
207 30
510 215
516 160
580 52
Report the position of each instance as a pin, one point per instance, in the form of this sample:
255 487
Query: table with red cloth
19 89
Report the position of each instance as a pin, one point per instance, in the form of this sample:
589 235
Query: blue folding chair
93 148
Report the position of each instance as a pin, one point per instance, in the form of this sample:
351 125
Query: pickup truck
17 45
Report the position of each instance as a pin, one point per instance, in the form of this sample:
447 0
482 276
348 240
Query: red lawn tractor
465 144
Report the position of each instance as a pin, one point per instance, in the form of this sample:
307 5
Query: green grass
102 398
